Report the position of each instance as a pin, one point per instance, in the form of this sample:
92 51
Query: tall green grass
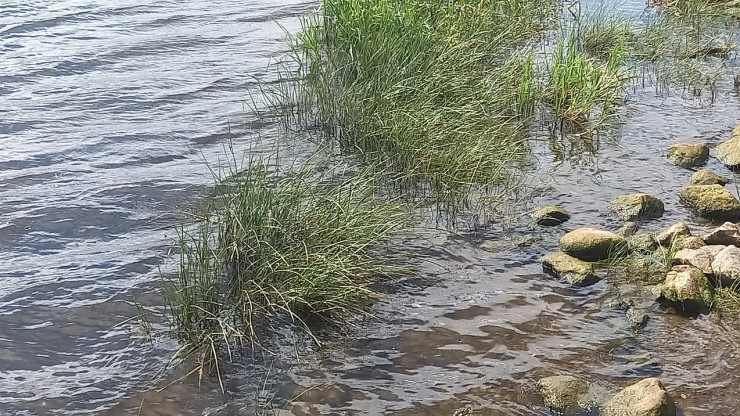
433 90
279 244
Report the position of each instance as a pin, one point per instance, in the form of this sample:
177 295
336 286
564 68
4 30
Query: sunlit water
107 113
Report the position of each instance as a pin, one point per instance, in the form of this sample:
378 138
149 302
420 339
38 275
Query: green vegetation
293 243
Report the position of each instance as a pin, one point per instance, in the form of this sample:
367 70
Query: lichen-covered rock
574 271
691 243
726 265
700 258
642 243
550 215
647 397
688 155
591 244
707 177
729 153
727 234
565 394
673 234
687 285
712 201
637 207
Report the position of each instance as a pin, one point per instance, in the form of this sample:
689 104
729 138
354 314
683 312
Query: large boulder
707 177
687 285
673 234
591 244
712 201
550 215
637 207
565 394
688 155
726 265
727 234
700 258
647 397
729 153
574 271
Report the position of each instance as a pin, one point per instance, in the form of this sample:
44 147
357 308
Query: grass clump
296 243
431 89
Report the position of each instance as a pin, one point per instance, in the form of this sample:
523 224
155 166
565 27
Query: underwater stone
574 271
688 155
565 394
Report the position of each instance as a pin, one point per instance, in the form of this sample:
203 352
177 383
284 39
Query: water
107 111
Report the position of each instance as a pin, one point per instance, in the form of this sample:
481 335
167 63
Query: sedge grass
277 243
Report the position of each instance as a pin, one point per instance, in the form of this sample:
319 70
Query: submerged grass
297 243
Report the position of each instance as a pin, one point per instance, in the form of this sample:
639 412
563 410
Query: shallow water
108 111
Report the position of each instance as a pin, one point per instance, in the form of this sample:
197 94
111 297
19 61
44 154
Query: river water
107 113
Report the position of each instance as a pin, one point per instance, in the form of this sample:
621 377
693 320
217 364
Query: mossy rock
729 153
712 201
642 243
673 234
688 155
707 177
637 207
687 285
550 215
574 271
565 394
591 244
647 397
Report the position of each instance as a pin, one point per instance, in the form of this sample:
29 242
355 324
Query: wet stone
707 177
712 201
628 229
591 244
550 215
673 234
729 153
565 394
688 155
687 285
637 207
637 317
647 397
574 271
642 243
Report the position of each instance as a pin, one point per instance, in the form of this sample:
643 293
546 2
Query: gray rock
574 271
643 243
647 397
700 258
687 285
550 215
729 153
673 234
707 177
688 155
628 229
637 317
565 394
727 234
726 265
590 244
637 207
712 201
690 242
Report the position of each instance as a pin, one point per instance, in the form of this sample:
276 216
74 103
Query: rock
647 397
590 244
565 394
700 258
673 234
628 229
707 177
688 155
712 201
727 234
736 131
687 285
729 153
637 207
574 271
642 243
637 317
726 265
550 215
690 242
